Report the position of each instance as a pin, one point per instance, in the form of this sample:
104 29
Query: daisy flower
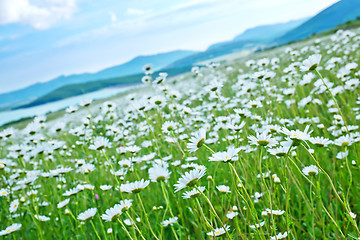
168 126
320 141
296 135
274 212
14 205
229 155
63 203
352 215
87 214
134 187
12 228
263 139
124 205
170 222
111 213
197 140
257 225
105 187
279 236
223 189
189 179
232 214
344 141
193 193
158 173
311 63
219 231
310 170
42 218
279 151
71 192
342 155
3 192
99 143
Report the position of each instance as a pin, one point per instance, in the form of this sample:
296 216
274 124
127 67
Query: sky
43 39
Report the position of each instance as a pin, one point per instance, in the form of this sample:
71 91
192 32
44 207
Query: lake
13 115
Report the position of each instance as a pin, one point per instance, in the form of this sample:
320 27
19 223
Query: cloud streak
41 16
148 20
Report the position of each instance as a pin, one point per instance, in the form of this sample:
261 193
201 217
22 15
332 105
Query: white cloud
113 17
41 15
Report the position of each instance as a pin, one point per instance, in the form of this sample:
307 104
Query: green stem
214 211
123 226
146 217
92 224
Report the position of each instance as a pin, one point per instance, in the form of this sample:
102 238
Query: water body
13 115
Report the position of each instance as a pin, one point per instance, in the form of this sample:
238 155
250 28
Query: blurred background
55 50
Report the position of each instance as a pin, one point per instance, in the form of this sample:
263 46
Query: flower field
261 148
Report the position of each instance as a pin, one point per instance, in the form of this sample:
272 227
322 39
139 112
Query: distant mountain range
33 92
336 14
251 40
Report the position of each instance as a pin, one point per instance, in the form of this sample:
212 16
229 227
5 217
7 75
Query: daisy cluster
262 148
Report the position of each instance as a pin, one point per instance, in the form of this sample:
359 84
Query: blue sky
42 39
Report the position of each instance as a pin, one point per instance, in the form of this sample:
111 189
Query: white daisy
232 214
257 225
189 179
12 228
279 236
193 193
111 213
3 192
219 231
99 143
14 205
263 139
159 173
170 221
310 170
134 187
105 187
229 155
63 203
197 140
311 63
87 214
42 218
223 189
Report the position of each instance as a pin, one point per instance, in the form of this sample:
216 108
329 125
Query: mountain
82 88
251 39
263 33
33 92
336 14
269 32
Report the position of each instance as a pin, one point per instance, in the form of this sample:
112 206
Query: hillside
31 93
251 39
263 33
82 88
338 13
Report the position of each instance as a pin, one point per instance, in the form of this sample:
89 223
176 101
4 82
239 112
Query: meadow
261 148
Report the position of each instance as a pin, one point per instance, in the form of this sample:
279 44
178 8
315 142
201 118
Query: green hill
33 92
82 88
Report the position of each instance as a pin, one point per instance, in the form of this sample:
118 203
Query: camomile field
263 147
